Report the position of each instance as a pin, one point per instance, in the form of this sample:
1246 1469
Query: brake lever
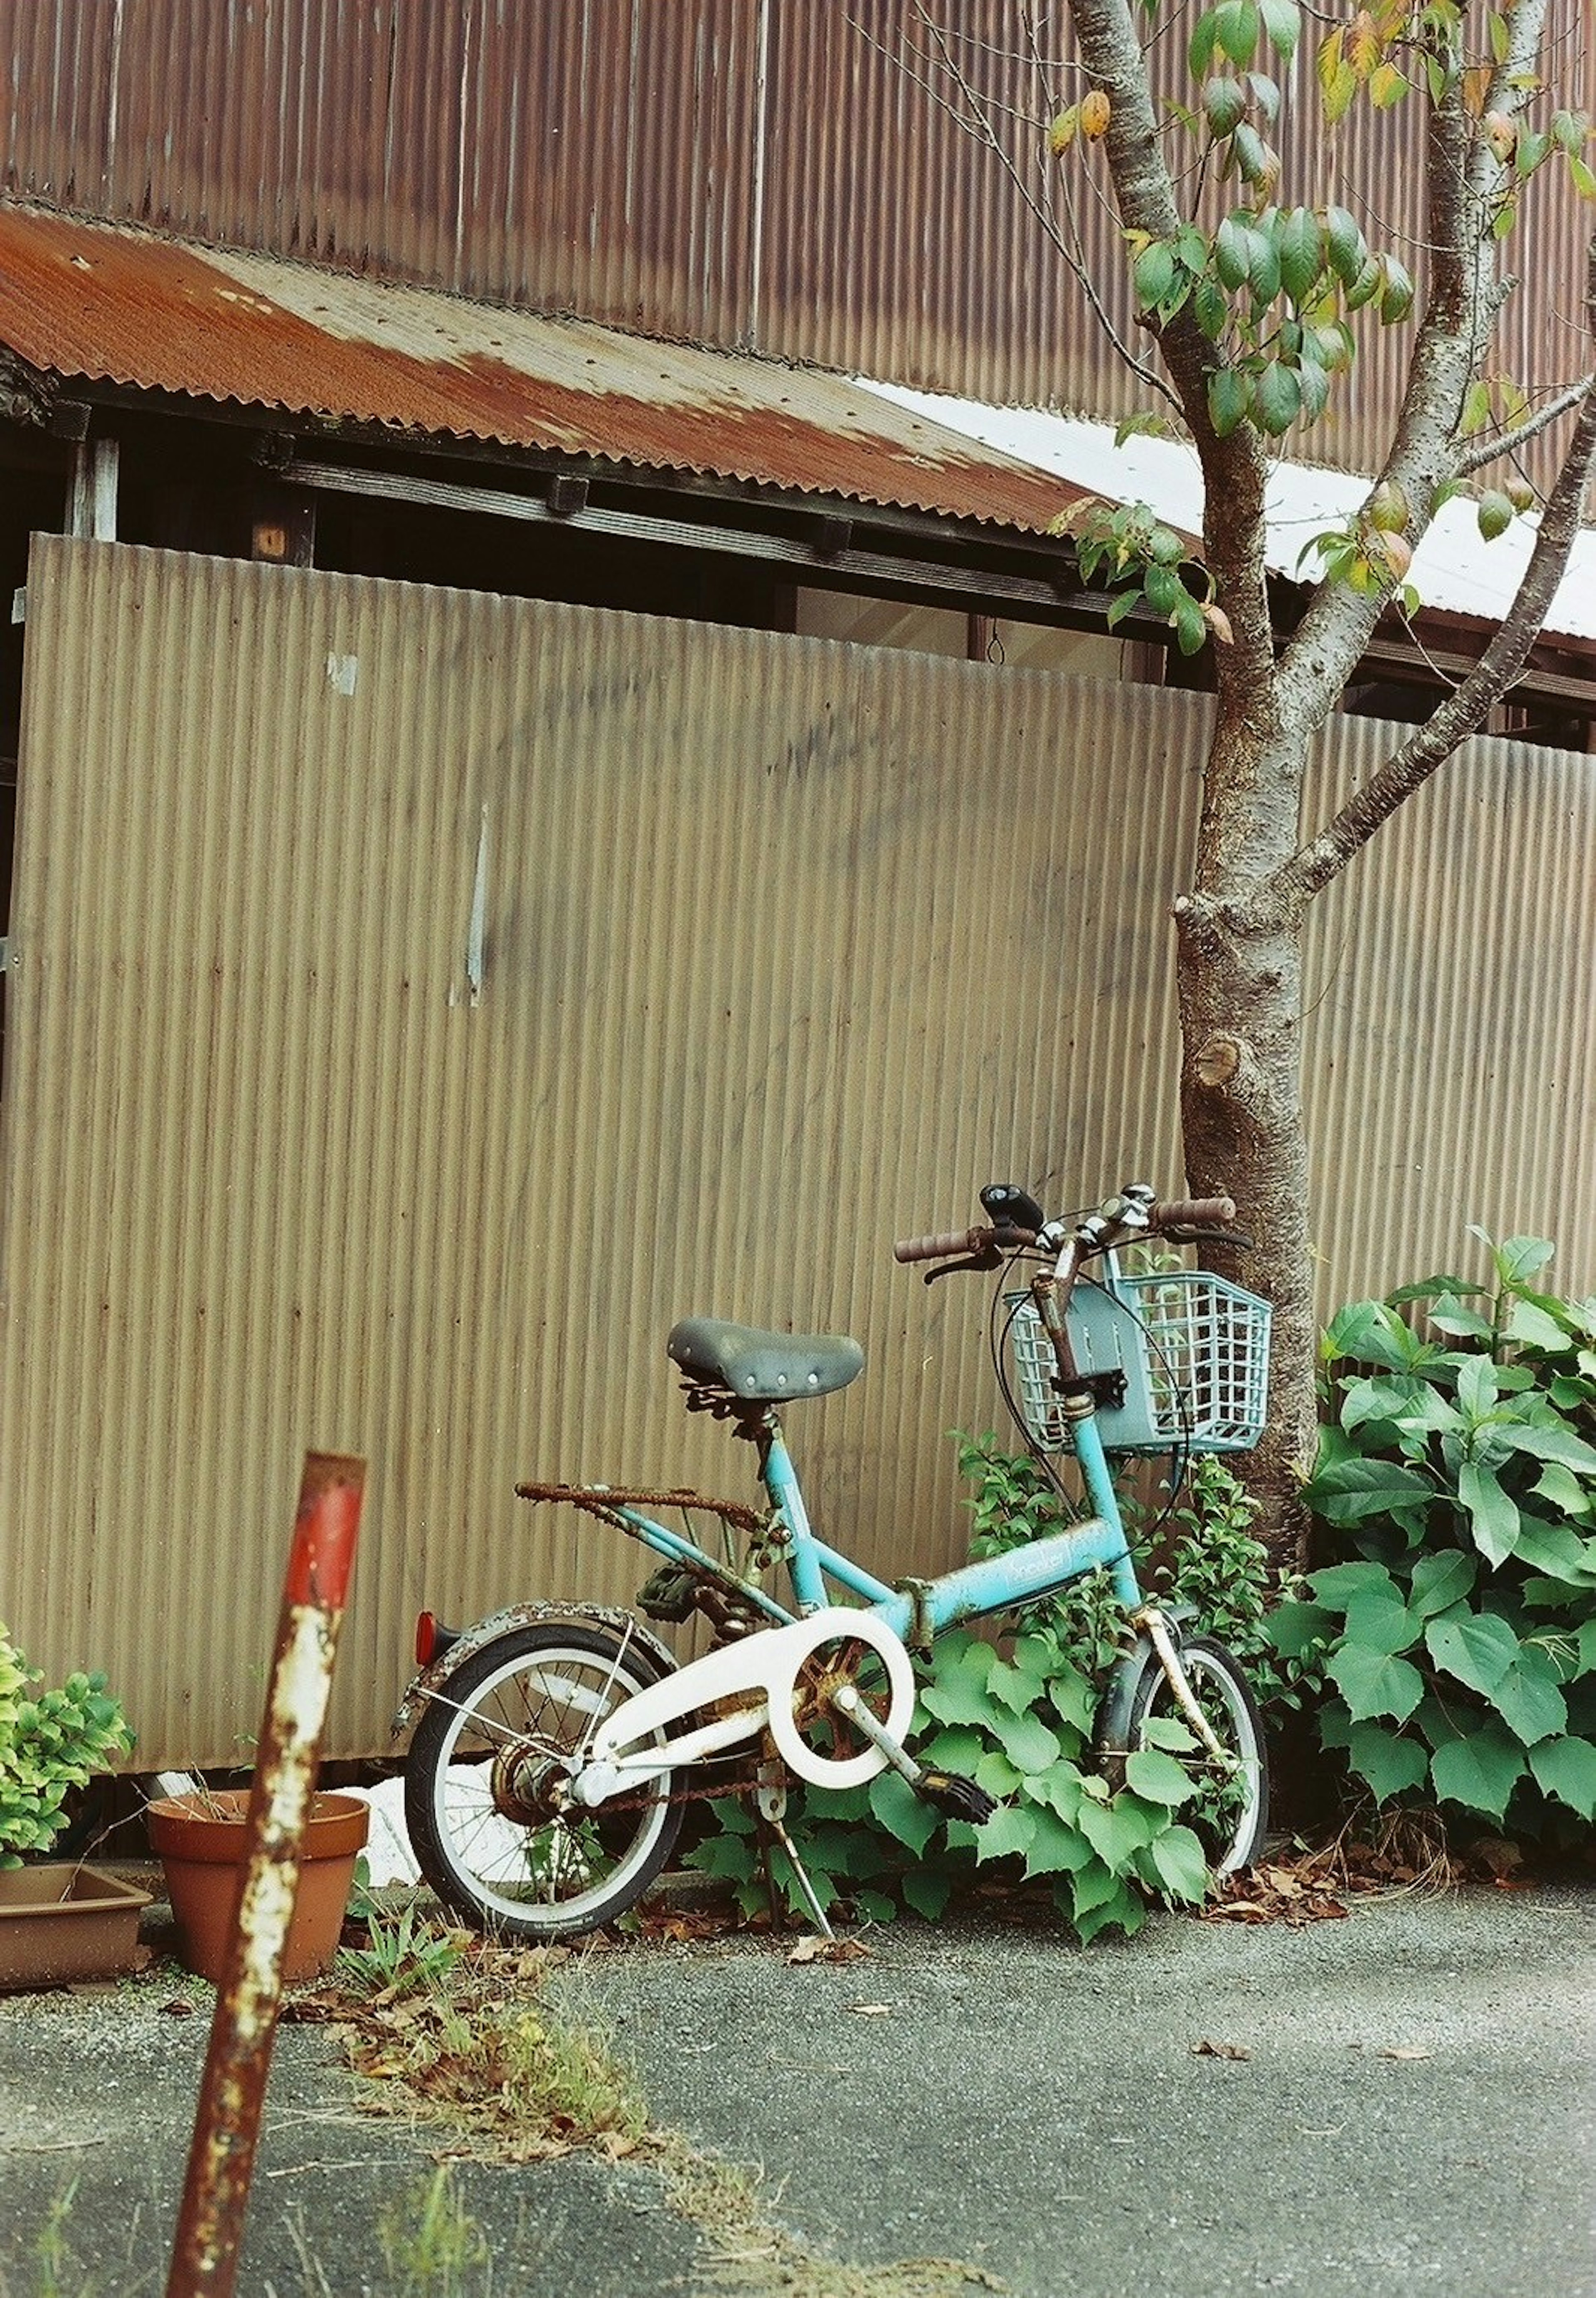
988 1258
1186 1235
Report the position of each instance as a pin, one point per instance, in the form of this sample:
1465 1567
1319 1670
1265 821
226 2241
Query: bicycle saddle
768 1367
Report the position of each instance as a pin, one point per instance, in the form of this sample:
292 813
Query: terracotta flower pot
199 1841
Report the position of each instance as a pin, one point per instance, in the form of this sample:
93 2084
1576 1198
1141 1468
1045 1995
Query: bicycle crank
783 1679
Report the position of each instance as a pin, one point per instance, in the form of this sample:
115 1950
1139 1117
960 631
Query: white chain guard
766 1664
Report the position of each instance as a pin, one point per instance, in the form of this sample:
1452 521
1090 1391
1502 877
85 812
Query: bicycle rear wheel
1229 1812
481 1780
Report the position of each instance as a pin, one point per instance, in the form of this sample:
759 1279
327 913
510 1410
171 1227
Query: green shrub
1456 1485
1017 1716
50 1742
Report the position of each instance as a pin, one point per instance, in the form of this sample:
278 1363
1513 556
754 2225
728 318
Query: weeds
58 2273
402 1955
430 2242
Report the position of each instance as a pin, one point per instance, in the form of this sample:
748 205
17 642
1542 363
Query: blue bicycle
557 1743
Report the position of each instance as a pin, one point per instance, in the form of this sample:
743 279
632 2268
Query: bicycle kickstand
770 1799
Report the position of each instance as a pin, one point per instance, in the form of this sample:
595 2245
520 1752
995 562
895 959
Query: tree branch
1466 176
1314 867
1507 442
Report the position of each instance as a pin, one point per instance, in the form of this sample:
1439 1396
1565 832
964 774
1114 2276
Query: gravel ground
1403 2102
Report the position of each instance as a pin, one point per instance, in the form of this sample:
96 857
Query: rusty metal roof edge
237 328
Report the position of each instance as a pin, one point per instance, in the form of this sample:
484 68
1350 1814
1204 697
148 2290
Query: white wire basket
1194 1351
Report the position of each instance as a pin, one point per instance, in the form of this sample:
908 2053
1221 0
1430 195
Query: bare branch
1507 442
977 120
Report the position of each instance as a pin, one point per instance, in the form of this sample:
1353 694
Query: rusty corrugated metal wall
782 948
758 174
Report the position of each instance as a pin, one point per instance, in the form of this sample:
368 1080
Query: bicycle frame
924 1609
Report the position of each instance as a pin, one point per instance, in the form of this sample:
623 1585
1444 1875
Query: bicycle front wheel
1229 1812
483 1780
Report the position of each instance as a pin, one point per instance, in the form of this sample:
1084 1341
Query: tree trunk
1241 1107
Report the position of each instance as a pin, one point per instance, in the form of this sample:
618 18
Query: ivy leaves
1460 1472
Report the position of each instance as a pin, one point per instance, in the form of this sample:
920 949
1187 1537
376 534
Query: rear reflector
433 1639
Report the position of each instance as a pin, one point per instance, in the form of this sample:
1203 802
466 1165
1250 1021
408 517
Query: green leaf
1562 1491
1152 273
1176 1858
1357 1489
1059 1787
1123 1906
1565 1769
1375 1684
1439 1581
1345 248
1233 252
1056 1849
1158 1777
1229 396
1019 1685
1479 1770
1210 308
1224 101
960 1749
901 1812
1382 1623
1008 1833
1282 25
927 1890
957 1694
1529 1699
1115 1831
1338 1585
1549 1440
1294 1628
1301 252
1366 287
1026 1742
1390 1763
1493 1514
1263 266
1476 1647
1520 1260
1495 514
1252 156
1533 1326
1555 1549
1204 40
1396 293
1236 29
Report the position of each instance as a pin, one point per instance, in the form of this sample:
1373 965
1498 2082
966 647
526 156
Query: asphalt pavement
1402 2102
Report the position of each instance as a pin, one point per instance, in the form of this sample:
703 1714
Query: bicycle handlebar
942 1247
1182 1219
1192 1212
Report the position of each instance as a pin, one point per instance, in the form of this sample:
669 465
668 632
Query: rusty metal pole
233 2090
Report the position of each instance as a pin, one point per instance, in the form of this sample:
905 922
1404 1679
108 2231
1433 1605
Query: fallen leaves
1207 2050
813 1948
1275 1893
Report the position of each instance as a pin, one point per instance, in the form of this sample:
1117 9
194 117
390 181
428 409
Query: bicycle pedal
957 1798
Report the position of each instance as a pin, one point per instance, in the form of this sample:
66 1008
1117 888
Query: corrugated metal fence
423 999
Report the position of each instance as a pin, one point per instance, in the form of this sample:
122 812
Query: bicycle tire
504 1864
1232 1830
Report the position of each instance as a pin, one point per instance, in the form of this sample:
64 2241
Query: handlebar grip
943 1247
1192 1213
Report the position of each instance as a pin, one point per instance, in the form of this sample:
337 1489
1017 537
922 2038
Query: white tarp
1454 570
